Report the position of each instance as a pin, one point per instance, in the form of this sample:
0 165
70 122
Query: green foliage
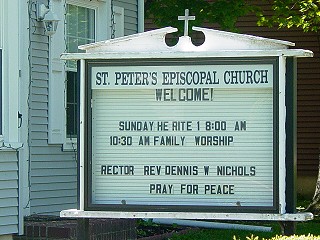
144 227
225 13
302 203
309 230
304 14
225 234
147 223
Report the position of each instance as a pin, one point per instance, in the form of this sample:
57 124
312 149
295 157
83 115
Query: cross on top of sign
186 19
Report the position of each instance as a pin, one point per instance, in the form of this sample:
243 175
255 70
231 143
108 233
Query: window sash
80 29
71 104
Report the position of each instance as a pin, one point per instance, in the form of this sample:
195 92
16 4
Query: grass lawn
303 228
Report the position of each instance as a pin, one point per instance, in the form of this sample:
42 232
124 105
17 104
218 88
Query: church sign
187 131
182 133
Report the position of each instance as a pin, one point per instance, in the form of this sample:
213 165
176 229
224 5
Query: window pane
71 82
80 26
80 29
71 125
71 20
71 104
72 44
84 23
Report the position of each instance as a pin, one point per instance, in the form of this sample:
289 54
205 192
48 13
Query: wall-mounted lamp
49 19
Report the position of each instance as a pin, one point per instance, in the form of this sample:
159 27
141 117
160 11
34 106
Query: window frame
57 66
11 53
70 143
71 69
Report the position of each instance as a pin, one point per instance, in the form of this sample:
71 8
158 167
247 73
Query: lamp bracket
41 11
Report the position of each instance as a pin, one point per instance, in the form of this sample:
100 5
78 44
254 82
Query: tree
225 13
304 14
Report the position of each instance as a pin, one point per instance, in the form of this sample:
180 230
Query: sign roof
214 40
219 42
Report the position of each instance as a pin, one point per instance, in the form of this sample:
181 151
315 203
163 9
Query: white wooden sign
194 132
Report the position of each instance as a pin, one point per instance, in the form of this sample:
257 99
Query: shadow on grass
303 228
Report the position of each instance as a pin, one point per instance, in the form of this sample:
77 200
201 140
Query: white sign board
183 135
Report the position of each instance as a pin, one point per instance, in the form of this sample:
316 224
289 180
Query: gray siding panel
52 165
54 201
40 53
8 184
9 211
38 79
56 173
55 158
51 209
48 150
53 186
8 229
53 172
130 15
41 179
39 120
8 192
54 194
7 175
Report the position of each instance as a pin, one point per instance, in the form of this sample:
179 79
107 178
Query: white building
38 173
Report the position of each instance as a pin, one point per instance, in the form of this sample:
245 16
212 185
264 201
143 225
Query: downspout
23 153
140 16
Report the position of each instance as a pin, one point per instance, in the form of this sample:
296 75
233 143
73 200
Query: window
80 29
85 22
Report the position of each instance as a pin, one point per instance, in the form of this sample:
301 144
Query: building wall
130 15
9 133
8 192
53 174
53 168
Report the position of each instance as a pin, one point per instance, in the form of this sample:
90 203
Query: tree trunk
314 206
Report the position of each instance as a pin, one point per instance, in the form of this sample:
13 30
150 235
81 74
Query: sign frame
87 91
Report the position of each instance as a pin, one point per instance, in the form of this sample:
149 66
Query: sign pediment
215 40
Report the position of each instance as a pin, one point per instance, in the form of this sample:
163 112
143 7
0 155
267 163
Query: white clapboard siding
53 172
8 192
130 15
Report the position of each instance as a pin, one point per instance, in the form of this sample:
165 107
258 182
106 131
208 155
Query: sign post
185 131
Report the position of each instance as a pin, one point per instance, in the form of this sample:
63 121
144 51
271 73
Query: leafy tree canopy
304 14
223 12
